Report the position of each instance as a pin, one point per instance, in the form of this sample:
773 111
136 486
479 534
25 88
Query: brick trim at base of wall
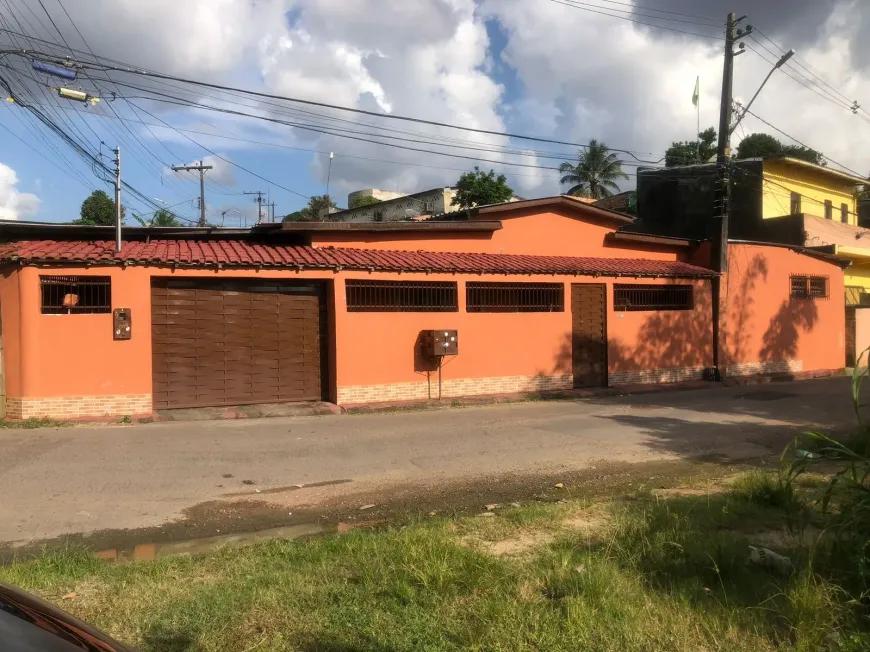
452 387
73 407
764 368
653 376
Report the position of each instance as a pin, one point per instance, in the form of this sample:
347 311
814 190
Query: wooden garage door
231 343
589 334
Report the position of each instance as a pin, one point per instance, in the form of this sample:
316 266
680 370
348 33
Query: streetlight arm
779 64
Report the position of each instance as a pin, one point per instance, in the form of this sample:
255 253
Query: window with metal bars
514 297
76 295
653 297
401 296
809 287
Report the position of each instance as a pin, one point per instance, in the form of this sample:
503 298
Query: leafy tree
481 188
312 213
161 217
98 210
760 145
691 152
363 200
595 174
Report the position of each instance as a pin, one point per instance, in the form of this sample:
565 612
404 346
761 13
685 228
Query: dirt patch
329 505
518 545
687 491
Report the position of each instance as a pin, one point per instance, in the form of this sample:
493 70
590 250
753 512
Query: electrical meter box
121 324
441 342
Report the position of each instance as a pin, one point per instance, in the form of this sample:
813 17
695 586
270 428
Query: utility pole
722 202
259 204
272 212
117 199
201 169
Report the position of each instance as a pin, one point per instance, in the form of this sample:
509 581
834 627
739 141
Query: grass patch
34 422
664 574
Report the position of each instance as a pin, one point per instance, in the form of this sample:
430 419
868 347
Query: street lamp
779 64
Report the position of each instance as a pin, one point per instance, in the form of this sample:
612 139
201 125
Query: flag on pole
697 94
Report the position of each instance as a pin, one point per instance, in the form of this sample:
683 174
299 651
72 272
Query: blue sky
523 66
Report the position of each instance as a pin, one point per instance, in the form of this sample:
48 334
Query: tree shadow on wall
680 339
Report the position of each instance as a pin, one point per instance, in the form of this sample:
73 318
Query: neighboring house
623 202
776 199
543 294
679 200
397 208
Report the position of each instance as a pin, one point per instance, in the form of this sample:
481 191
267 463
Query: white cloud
14 204
580 76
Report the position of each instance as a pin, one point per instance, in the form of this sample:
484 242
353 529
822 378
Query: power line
715 21
808 68
581 5
848 169
392 116
639 22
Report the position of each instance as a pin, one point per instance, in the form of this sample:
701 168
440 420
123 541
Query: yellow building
791 186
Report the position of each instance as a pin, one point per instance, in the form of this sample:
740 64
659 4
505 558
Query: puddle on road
143 551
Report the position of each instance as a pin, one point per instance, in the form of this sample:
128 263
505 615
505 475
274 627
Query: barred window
401 296
515 297
809 287
653 297
76 295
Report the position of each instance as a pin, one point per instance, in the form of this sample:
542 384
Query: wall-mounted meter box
122 324
441 342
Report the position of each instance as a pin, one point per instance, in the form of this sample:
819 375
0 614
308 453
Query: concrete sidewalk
84 479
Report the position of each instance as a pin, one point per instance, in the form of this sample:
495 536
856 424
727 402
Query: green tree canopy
761 145
312 213
160 217
481 188
98 210
363 200
595 174
691 152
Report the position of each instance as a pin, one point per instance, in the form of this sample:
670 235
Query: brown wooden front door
234 342
589 334
851 343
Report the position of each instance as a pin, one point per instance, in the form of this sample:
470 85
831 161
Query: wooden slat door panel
235 342
589 334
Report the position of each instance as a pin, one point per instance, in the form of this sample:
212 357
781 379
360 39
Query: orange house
533 295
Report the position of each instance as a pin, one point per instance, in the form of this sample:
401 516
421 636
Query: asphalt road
84 479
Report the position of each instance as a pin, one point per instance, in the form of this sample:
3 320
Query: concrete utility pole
272 212
117 199
201 169
722 202
259 204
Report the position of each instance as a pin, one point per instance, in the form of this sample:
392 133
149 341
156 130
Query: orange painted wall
547 233
664 339
378 348
765 325
75 355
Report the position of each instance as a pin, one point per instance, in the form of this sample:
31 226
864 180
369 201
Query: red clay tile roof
240 253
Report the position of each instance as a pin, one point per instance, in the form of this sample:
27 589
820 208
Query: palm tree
595 173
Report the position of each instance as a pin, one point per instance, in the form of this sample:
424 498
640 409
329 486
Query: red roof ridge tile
239 253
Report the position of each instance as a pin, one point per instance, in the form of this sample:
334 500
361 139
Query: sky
561 70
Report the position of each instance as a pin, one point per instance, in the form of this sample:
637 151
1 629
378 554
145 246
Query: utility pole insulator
259 204
201 169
